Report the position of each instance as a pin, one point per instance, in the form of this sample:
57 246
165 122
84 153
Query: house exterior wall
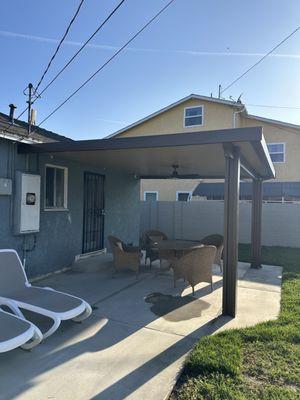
217 116
60 236
290 170
167 188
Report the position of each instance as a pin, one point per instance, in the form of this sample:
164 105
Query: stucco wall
167 188
290 170
216 116
194 220
60 236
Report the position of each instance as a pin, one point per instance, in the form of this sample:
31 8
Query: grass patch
260 362
288 257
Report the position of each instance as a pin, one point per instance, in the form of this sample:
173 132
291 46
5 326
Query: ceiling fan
175 174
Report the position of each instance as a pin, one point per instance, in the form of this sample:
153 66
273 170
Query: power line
83 46
59 45
271 106
260 60
107 62
50 62
72 58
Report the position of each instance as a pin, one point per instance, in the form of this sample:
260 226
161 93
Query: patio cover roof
198 154
228 154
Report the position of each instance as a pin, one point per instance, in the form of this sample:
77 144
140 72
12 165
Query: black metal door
93 212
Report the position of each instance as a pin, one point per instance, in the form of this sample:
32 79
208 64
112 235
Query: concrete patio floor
130 348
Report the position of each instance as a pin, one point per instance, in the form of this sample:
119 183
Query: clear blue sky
191 48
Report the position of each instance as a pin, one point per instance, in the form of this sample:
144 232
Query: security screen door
93 212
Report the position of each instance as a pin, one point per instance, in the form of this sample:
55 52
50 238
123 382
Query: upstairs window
56 183
277 152
193 116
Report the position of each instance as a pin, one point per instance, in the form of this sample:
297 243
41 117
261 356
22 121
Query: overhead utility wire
71 59
106 63
50 62
83 46
270 106
260 60
59 45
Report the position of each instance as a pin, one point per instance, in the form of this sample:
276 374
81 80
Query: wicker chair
125 257
195 266
147 240
217 241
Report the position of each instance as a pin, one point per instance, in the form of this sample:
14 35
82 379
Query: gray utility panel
5 186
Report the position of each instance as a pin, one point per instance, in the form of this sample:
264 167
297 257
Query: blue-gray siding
60 236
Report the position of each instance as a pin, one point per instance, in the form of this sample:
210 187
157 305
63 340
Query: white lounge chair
16 332
17 293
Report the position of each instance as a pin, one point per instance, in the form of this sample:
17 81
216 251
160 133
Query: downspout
234 116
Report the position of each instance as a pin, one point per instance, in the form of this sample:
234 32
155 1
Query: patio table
178 246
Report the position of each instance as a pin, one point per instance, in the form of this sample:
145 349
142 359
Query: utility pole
29 102
220 87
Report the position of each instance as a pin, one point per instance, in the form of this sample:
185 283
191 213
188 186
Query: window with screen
277 152
183 196
193 116
56 187
150 196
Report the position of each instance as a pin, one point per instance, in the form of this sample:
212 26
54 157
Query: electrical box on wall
27 203
5 186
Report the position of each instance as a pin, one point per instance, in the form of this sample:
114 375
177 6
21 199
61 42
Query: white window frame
278 152
184 117
185 192
65 206
151 192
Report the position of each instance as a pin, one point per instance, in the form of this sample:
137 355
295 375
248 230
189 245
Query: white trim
278 152
273 121
151 192
176 103
202 116
184 191
66 176
18 138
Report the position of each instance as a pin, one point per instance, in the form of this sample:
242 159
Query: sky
194 46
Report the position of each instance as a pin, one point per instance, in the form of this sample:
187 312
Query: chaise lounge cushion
48 299
11 327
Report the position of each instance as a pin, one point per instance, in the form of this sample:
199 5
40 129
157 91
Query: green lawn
261 362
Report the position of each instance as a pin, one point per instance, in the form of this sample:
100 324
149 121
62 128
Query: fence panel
195 219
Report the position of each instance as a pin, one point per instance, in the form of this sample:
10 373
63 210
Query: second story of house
196 113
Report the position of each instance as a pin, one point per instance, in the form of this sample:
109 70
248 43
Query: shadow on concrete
137 378
21 370
176 308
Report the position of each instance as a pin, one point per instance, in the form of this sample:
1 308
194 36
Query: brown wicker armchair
195 266
125 257
148 240
217 241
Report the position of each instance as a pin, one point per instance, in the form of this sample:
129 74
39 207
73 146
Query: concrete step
93 263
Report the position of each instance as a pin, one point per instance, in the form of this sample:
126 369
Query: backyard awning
199 154
229 154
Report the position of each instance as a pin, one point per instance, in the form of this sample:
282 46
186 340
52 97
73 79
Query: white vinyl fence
195 219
